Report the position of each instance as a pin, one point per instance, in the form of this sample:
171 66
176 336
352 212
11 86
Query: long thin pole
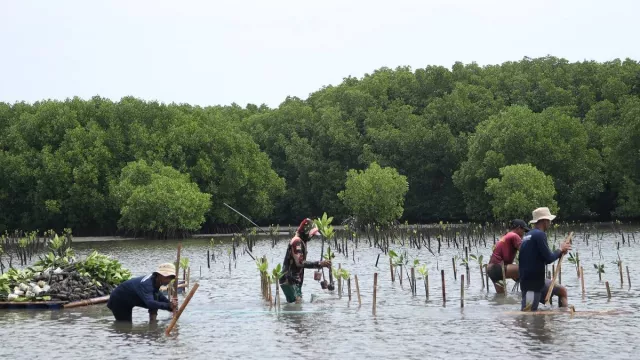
628 277
462 290
358 291
555 277
582 280
375 289
444 292
175 293
182 307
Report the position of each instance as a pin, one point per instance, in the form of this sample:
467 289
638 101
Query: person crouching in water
143 291
504 253
534 256
295 261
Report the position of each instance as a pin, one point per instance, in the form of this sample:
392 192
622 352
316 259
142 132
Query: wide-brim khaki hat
166 269
542 213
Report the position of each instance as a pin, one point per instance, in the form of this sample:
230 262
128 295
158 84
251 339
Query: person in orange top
504 253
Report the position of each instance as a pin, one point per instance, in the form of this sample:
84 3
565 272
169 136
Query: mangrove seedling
424 272
184 265
276 273
600 269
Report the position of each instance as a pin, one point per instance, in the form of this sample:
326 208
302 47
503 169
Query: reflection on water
227 318
537 327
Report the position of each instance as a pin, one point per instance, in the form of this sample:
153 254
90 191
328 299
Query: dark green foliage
576 122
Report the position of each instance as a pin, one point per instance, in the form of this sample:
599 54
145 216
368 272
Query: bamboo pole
277 294
189 276
444 292
413 281
582 280
486 276
482 276
628 278
358 291
98 300
621 277
182 307
349 287
339 282
426 286
608 289
375 288
553 281
455 275
462 290
391 268
208 260
175 295
504 280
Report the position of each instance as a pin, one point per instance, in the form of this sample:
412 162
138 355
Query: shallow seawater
228 319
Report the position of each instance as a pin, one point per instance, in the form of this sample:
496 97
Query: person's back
127 292
534 256
506 248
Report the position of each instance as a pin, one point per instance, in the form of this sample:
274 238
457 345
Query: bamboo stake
553 281
608 289
98 300
277 295
621 277
349 287
391 268
189 276
462 290
582 280
358 291
628 278
182 307
339 283
208 260
444 292
426 285
413 281
269 298
486 276
375 288
482 276
455 275
175 295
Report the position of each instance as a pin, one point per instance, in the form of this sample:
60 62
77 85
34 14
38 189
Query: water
228 319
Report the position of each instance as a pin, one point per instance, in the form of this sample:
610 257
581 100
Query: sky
220 52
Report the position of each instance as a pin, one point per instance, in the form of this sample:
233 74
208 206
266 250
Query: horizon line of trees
455 135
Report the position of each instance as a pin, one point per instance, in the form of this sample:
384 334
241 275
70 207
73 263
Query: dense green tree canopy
158 199
375 195
519 190
448 130
552 141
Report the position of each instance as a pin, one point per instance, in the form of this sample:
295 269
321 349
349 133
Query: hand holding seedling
325 263
565 247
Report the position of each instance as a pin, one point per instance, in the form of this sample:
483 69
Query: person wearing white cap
534 256
143 291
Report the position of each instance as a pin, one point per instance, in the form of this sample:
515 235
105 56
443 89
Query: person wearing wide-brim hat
534 256
143 291
504 253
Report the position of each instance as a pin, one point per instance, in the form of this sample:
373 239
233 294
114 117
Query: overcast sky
219 52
